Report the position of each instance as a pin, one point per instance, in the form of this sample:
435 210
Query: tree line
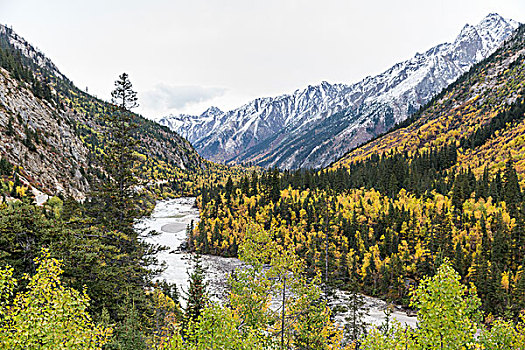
395 237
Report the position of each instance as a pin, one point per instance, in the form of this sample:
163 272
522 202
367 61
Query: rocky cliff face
53 132
317 125
41 140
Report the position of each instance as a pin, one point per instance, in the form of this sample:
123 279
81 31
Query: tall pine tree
116 194
511 188
114 210
196 295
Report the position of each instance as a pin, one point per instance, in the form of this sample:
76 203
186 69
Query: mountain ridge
286 123
480 114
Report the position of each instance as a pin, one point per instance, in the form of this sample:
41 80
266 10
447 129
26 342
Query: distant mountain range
482 114
315 126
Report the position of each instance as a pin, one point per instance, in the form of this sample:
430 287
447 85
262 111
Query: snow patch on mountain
314 126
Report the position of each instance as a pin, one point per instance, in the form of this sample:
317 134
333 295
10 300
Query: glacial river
170 219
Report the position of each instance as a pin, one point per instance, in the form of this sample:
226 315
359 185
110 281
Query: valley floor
171 218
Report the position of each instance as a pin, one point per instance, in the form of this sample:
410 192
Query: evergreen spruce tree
275 186
485 242
386 325
254 181
458 259
10 129
229 190
518 239
113 209
519 290
196 294
5 167
355 325
495 187
245 185
511 188
500 244
128 334
117 194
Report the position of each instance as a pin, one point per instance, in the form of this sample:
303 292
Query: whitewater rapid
170 219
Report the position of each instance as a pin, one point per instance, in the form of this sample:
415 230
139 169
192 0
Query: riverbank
170 219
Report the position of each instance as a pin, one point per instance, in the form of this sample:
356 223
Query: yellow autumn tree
46 314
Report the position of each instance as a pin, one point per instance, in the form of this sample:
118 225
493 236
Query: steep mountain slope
482 114
444 185
52 130
40 139
315 126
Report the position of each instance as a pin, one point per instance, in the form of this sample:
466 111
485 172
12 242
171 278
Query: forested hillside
443 186
54 134
481 114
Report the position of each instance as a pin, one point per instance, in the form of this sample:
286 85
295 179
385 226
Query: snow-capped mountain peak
314 126
212 111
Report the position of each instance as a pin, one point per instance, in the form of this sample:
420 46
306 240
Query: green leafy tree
447 310
396 337
447 319
503 335
248 322
47 315
302 320
218 328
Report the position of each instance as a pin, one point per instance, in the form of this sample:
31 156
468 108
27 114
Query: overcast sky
186 55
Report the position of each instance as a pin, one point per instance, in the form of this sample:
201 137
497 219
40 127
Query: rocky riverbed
170 219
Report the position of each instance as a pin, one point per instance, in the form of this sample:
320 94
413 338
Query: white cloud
168 97
254 48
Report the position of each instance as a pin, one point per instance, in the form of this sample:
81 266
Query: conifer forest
412 238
